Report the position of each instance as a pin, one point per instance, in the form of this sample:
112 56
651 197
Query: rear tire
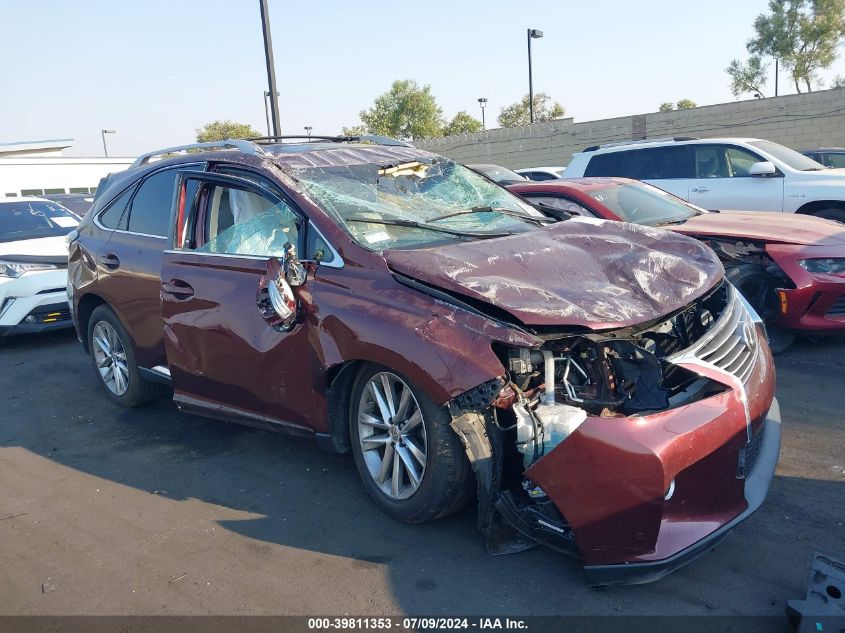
837 215
113 358
417 428
758 287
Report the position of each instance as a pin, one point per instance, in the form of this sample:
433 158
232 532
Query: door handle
180 290
700 189
110 261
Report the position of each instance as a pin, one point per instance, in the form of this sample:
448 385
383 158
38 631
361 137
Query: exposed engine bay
548 393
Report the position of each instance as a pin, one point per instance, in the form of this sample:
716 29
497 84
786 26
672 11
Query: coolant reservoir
559 422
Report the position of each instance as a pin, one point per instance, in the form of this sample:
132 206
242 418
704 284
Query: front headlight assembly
823 265
16 269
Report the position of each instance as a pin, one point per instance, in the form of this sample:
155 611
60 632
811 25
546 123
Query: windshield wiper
501 210
413 224
669 222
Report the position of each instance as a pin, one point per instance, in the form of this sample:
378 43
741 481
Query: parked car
541 173
33 265
79 203
612 392
828 156
497 173
723 173
790 268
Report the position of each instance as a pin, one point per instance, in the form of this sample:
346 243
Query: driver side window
241 222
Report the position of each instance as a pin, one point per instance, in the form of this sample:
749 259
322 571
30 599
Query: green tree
666 106
406 111
462 123
804 34
355 130
748 76
518 113
686 104
221 130
838 82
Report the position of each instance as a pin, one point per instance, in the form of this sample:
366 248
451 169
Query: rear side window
115 216
661 163
149 212
605 165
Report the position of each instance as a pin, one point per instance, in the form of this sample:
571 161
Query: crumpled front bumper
755 489
646 494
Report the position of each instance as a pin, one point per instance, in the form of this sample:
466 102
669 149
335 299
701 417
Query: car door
129 262
722 180
226 352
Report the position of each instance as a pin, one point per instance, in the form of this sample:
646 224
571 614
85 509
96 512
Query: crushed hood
583 272
766 227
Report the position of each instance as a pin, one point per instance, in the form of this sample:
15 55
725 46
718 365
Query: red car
790 267
613 395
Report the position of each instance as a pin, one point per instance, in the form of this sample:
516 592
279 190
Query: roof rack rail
665 139
371 138
248 147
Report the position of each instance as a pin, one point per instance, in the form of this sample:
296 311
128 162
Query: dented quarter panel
364 314
610 476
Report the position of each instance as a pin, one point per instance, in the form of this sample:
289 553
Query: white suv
33 265
723 173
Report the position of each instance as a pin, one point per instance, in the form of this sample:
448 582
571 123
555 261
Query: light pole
533 34
482 101
267 113
103 134
308 129
271 71
777 61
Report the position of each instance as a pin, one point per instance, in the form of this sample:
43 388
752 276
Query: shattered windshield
415 202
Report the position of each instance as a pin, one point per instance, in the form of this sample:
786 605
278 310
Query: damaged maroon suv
598 386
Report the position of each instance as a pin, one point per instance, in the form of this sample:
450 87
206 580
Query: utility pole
776 76
271 71
532 34
103 134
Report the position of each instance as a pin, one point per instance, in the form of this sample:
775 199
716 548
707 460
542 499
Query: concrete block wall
800 121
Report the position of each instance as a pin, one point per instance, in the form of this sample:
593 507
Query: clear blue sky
155 70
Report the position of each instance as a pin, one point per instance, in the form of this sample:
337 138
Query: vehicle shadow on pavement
305 498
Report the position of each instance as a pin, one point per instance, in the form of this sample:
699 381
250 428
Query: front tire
114 363
758 287
409 459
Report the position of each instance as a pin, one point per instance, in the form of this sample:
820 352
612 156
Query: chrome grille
732 343
838 308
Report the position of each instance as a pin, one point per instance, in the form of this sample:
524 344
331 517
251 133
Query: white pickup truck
741 174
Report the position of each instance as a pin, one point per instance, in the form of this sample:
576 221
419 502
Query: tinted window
240 222
114 217
605 165
643 164
150 210
539 175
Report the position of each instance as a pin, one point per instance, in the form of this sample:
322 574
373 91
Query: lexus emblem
749 335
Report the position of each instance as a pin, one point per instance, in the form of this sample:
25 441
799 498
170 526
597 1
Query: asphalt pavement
105 510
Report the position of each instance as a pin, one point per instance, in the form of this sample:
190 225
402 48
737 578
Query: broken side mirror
275 298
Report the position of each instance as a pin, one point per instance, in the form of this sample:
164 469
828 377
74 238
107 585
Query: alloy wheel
392 437
110 356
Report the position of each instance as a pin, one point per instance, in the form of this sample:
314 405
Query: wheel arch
84 308
811 208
